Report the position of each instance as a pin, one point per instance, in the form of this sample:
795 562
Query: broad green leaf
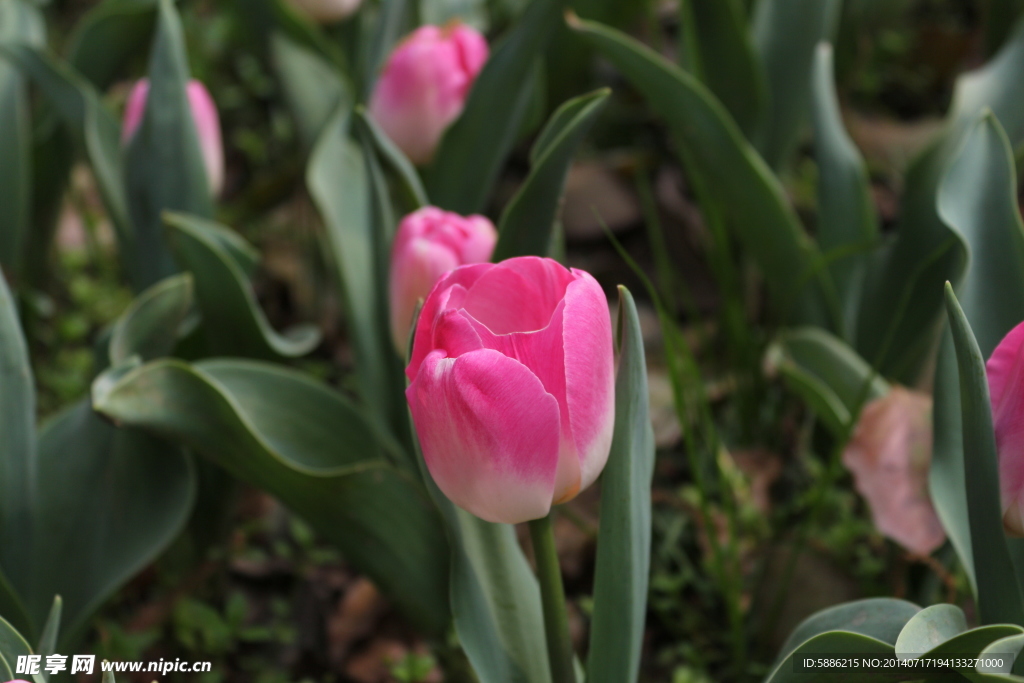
847 224
78 105
339 184
20 22
997 591
878 618
233 322
312 86
149 328
51 630
109 501
164 169
716 36
786 33
528 221
977 203
440 12
410 188
1005 651
826 373
931 627
835 643
973 641
108 36
474 149
17 448
624 538
741 185
495 598
12 644
902 303
306 444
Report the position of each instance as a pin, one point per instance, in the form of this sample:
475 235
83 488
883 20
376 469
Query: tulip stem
556 620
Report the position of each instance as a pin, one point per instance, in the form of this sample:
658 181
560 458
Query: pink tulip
1005 371
424 86
889 456
328 11
513 386
429 243
204 115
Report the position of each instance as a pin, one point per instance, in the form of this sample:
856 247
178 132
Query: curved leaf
997 591
826 373
149 328
409 186
902 302
624 539
312 85
233 322
12 645
109 35
835 643
164 169
742 186
786 33
931 627
847 224
722 51
977 203
474 149
306 444
529 219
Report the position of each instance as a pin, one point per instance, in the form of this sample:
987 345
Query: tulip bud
513 386
889 456
424 86
204 115
1005 370
328 11
428 244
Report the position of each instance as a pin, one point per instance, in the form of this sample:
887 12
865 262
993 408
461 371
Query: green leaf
149 328
528 221
997 590
111 499
78 105
786 33
12 645
624 539
48 640
440 12
164 169
879 618
18 447
233 322
835 643
474 149
495 598
304 443
11 607
108 36
826 373
739 182
847 224
1010 646
977 202
53 155
393 20
410 188
902 303
716 35
339 184
931 627
20 21
312 86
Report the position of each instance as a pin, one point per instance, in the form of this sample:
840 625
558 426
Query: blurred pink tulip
889 456
1005 371
204 115
328 11
513 386
429 243
424 86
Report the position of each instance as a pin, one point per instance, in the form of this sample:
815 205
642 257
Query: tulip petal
437 301
589 373
1005 370
537 285
470 413
412 279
